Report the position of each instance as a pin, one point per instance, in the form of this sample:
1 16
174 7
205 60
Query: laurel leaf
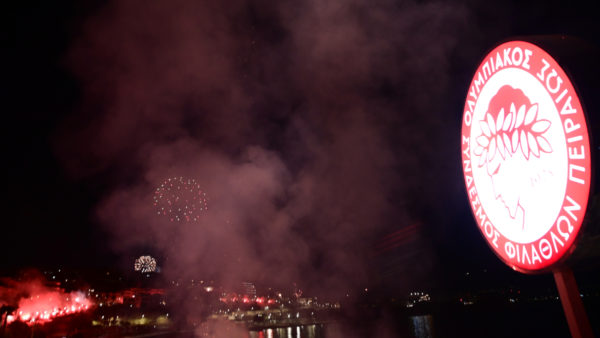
500 119
500 146
491 150
482 158
513 113
507 122
485 128
491 124
533 145
478 150
507 144
483 141
524 145
515 141
531 114
520 116
540 126
544 145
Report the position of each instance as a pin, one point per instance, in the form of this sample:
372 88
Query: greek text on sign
526 156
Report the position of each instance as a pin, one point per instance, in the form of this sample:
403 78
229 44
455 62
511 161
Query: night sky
316 130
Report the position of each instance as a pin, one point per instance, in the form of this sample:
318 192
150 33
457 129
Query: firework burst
180 200
145 264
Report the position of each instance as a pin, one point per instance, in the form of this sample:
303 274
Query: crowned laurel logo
512 134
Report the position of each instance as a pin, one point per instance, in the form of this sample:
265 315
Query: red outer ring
576 191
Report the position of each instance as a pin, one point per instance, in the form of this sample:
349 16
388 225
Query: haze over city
191 168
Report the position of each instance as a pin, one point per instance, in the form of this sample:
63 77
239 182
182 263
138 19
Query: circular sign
526 156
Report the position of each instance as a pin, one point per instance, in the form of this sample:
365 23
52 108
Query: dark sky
316 129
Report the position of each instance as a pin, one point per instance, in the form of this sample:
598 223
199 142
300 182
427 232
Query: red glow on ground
47 305
260 301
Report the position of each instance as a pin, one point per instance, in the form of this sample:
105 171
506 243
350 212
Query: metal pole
577 319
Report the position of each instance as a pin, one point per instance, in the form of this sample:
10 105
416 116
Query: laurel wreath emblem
508 133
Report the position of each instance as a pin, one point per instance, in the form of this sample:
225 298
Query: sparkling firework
145 264
180 200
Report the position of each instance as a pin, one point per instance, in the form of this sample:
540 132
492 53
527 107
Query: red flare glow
247 300
47 305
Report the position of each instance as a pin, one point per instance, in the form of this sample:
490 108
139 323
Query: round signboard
526 156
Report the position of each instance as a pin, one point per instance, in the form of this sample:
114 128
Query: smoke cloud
308 124
34 301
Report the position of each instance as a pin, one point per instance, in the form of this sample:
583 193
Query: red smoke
37 302
309 126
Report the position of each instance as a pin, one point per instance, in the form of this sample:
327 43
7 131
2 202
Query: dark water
419 327
533 319
305 331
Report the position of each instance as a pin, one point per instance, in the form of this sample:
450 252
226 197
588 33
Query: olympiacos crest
526 156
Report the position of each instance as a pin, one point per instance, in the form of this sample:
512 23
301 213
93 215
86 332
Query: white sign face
526 157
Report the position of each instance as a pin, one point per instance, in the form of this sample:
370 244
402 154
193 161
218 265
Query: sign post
572 304
527 165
